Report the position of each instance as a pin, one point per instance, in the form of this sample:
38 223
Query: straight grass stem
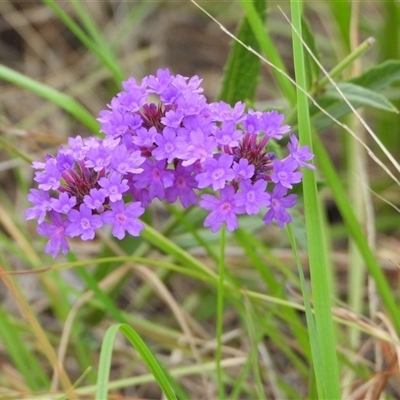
220 313
325 365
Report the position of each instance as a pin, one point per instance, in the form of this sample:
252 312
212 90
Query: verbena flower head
164 140
78 186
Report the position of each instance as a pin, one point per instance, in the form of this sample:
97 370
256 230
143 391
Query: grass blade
61 99
104 56
326 368
143 350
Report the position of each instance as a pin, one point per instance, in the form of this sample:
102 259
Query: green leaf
379 77
270 51
359 96
243 67
374 80
341 10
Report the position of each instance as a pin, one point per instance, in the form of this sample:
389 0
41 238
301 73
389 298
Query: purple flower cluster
83 188
163 140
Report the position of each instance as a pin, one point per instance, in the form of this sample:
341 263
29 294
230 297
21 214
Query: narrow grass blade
143 350
254 342
163 243
64 101
21 356
103 56
275 288
312 330
326 367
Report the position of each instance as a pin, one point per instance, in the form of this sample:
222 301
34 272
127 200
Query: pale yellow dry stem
38 332
26 247
361 203
111 278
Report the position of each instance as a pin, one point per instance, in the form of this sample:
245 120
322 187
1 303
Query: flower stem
220 313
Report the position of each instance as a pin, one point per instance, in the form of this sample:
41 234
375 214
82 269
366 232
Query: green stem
220 313
326 368
357 52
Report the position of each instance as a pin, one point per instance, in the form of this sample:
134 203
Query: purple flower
42 203
133 99
98 158
271 125
228 135
164 140
168 144
191 103
113 187
156 177
173 118
243 169
184 183
223 210
83 223
124 218
252 123
144 137
118 122
95 200
50 177
253 196
65 161
200 147
55 231
284 172
141 195
217 172
64 203
158 84
279 203
300 154
76 146
222 111
124 161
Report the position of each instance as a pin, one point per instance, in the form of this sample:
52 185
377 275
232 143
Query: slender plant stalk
316 351
328 371
356 161
220 313
353 56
